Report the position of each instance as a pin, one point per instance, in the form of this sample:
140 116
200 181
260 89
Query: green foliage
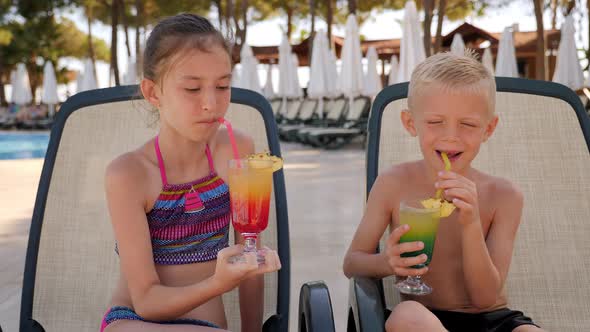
33 8
73 42
5 36
153 10
39 38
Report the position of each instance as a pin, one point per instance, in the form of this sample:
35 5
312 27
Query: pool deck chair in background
71 266
332 109
542 144
332 115
289 111
354 125
306 115
275 105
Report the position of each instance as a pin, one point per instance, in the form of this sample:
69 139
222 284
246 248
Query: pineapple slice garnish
445 207
277 163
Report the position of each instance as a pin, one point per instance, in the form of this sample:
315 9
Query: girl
174 256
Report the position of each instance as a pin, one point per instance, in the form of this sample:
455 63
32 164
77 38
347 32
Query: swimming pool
23 145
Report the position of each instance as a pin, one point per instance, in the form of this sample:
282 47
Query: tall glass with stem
423 224
250 186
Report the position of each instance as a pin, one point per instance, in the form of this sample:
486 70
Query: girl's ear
490 128
408 122
150 92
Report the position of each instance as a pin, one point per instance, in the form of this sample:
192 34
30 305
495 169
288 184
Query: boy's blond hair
454 74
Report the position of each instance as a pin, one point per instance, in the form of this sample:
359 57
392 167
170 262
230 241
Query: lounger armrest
30 325
366 305
315 308
273 324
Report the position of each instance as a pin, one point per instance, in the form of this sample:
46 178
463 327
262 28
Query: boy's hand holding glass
403 266
415 243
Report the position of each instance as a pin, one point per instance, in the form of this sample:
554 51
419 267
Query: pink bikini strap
160 162
210 158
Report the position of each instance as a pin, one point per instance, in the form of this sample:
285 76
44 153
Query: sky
382 25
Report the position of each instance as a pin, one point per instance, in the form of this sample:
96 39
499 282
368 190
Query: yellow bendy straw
447 162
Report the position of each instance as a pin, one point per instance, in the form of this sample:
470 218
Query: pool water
23 145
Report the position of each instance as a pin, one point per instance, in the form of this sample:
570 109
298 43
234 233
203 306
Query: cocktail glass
250 185
423 227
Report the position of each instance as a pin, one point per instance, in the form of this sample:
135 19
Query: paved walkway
324 192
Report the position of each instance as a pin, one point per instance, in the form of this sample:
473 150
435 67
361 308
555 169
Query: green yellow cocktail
423 226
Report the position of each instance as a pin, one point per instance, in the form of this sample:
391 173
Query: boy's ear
408 122
490 128
149 92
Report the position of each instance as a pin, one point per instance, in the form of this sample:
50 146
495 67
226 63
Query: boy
451 101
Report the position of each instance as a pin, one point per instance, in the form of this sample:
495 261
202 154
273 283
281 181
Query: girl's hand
462 192
401 266
272 262
229 274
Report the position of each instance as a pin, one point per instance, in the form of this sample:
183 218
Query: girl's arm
361 259
125 191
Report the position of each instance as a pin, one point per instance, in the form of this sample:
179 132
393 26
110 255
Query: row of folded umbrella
86 80
351 81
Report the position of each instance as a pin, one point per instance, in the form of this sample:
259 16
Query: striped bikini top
189 222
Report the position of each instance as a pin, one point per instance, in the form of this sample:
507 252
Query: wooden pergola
474 37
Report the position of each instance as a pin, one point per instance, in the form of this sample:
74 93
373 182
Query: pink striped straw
232 139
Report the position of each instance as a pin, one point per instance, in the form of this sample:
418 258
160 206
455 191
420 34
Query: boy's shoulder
498 190
401 171
497 185
395 178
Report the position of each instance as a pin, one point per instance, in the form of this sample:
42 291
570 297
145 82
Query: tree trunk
219 13
570 7
229 13
588 51
312 33
553 14
140 23
245 6
33 77
241 30
90 46
114 24
352 7
3 101
289 11
442 6
428 9
125 26
329 19
540 57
